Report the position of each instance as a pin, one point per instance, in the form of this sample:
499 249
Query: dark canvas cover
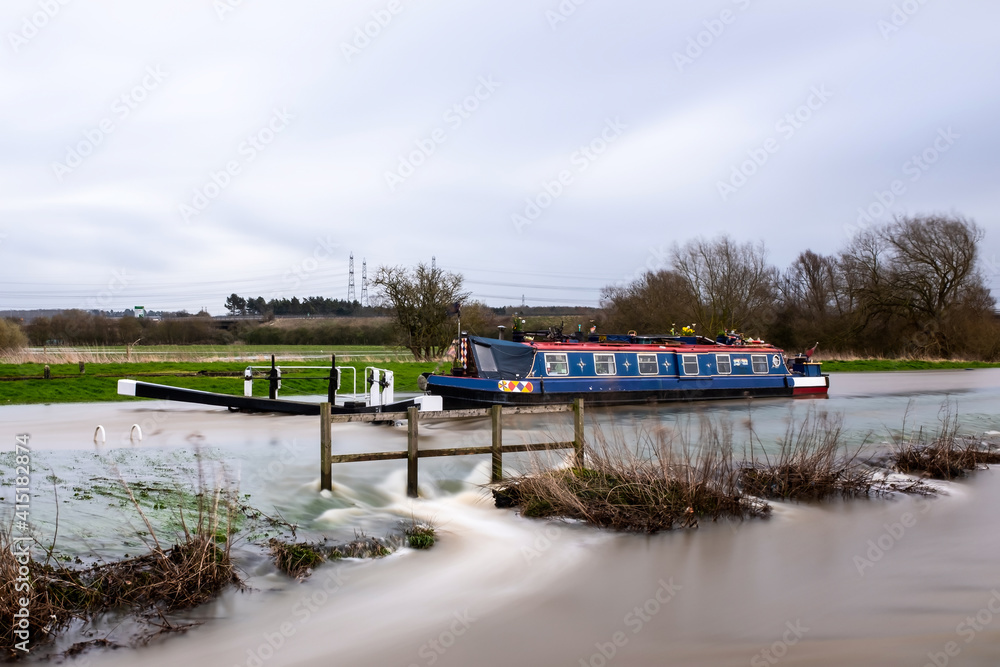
500 359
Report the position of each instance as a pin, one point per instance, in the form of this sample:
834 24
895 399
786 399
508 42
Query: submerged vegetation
943 455
670 480
187 560
420 536
194 570
298 559
813 463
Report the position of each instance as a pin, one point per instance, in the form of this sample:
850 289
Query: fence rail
413 453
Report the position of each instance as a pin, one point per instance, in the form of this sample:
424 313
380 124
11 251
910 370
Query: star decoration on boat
627 364
581 364
666 365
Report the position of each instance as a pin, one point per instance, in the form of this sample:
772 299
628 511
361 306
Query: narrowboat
620 370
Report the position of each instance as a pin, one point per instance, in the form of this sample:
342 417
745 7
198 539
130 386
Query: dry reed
672 479
946 455
189 573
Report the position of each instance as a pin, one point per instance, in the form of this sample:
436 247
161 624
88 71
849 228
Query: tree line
77 327
309 306
913 286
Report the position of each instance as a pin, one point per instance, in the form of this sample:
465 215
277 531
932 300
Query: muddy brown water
901 581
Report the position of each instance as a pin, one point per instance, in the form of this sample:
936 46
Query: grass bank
19 383
883 365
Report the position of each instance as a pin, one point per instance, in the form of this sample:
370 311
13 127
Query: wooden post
272 381
578 433
83 368
325 449
47 373
411 452
497 446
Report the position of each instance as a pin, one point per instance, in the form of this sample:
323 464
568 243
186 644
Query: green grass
76 388
861 365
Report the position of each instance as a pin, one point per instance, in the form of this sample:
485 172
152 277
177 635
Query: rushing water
901 581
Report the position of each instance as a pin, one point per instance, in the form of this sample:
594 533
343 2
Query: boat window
690 364
722 363
604 364
485 357
647 364
556 364
759 362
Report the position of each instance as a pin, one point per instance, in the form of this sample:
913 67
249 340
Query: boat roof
651 347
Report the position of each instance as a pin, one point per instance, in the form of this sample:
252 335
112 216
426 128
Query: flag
811 351
455 309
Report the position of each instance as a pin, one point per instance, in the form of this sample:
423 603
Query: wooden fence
413 453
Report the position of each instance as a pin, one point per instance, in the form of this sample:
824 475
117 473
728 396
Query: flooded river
900 581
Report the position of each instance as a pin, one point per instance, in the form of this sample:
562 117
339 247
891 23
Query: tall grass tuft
674 478
944 454
659 483
812 463
192 571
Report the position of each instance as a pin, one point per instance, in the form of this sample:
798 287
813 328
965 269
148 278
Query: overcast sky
167 154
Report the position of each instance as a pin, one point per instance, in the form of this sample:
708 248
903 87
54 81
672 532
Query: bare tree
935 262
732 286
420 300
652 303
921 271
814 285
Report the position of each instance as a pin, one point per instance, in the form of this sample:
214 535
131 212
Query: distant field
99 382
113 353
311 322
860 365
